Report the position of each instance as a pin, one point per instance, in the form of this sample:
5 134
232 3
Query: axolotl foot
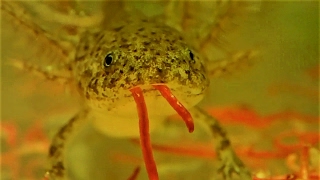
230 163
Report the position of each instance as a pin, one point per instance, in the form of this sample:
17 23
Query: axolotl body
114 68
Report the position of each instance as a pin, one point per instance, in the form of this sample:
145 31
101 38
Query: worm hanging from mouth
173 101
144 124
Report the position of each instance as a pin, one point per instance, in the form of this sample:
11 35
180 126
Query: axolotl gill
127 73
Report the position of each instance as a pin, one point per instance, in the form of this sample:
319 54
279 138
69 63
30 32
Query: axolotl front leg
229 161
58 168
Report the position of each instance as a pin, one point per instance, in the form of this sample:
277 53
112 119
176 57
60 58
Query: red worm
144 133
173 101
144 124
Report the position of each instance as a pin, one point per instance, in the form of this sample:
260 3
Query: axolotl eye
191 56
108 60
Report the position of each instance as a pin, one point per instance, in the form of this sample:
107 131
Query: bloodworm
144 124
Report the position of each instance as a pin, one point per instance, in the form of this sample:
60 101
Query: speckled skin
144 53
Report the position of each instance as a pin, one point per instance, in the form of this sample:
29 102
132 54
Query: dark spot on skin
191 56
61 132
124 40
125 46
127 79
144 20
69 67
135 50
113 80
157 53
144 36
146 43
87 73
114 40
58 169
118 28
79 85
159 70
203 76
156 41
93 86
145 66
131 68
99 48
139 77
108 83
224 144
172 60
52 151
167 64
187 71
121 71
202 67
100 73
86 47
145 49
153 33
101 37
141 29
137 57
99 98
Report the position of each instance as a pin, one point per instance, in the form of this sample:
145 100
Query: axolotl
127 74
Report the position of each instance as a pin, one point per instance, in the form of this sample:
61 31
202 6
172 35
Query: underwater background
270 109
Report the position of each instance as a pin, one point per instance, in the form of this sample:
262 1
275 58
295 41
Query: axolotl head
109 63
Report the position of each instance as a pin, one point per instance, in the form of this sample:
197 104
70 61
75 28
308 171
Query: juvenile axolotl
130 67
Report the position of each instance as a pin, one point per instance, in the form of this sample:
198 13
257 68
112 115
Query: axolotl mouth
145 143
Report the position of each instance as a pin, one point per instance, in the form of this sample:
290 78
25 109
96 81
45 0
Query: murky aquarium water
247 72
